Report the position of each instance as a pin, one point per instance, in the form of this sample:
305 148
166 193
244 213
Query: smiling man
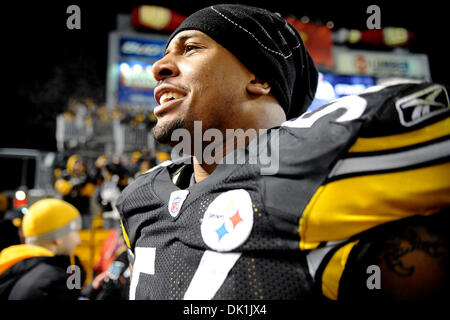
201 80
229 230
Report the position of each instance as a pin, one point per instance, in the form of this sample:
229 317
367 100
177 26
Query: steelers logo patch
228 221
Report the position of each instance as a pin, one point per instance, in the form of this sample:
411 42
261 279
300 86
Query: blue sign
136 83
142 48
136 58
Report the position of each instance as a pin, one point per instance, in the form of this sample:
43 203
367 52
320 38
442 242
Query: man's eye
189 48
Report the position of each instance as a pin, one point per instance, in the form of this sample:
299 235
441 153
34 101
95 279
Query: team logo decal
176 201
228 220
422 105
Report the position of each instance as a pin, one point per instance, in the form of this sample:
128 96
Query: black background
43 63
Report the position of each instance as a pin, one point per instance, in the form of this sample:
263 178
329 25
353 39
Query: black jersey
261 224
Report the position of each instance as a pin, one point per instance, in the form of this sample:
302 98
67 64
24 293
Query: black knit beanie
267 45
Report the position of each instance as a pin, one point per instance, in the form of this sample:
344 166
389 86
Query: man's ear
57 242
257 87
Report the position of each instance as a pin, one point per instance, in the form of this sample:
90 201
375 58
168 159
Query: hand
98 280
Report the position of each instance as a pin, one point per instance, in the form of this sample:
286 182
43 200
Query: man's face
68 243
78 167
199 81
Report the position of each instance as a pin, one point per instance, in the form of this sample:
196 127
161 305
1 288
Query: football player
346 201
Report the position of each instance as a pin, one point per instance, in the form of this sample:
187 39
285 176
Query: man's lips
168 90
167 96
159 110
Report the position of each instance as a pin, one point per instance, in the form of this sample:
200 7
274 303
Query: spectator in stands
112 284
115 177
97 170
145 163
133 163
11 229
43 267
10 224
77 187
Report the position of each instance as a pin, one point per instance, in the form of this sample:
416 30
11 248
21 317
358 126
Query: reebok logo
422 105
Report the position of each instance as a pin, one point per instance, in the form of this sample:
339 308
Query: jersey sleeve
396 166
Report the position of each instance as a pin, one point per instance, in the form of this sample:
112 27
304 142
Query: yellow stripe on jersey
332 273
431 132
125 235
343 208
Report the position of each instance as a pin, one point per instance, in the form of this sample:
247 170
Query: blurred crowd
79 181
38 242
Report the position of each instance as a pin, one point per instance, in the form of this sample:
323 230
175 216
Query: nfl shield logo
176 201
175 206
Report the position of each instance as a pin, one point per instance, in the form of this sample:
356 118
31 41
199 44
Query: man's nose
164 68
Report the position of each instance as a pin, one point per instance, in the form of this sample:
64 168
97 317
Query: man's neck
258 116
202 170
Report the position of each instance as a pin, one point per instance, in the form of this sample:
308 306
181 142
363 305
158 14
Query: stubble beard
163 133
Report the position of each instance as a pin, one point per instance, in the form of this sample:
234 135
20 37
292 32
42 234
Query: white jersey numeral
354 106
211 273
144 262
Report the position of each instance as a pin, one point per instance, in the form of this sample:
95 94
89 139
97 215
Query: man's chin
162 132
